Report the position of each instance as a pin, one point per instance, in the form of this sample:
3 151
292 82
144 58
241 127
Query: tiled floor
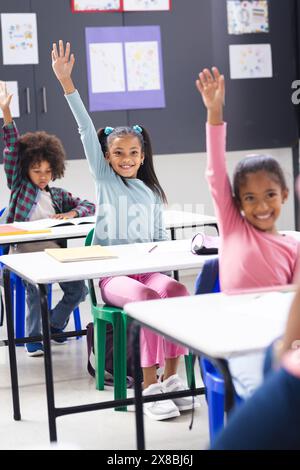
105 429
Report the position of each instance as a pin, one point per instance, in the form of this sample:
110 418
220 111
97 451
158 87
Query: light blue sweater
124 214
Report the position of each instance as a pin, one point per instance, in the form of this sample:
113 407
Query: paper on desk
85 253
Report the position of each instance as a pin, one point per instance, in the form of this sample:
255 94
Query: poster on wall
247 16
19 38
146 5
124 66
95 5
79 6
250 61
12 88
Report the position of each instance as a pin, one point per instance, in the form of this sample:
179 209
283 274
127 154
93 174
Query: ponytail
146 172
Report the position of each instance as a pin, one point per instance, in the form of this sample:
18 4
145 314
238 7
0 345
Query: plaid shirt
24 192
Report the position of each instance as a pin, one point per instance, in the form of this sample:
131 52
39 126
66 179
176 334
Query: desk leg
229 388
48 362
11 345
139 417
173 237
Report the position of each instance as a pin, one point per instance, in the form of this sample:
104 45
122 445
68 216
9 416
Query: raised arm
62 64
5 99
11 140
211 86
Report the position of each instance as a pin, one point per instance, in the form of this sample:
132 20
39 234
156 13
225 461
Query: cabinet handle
45 109
28 107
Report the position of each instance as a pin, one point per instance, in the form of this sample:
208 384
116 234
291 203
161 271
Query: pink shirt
248 257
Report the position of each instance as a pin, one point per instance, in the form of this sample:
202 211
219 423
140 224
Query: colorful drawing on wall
250 61
107 62
124 68
19 38
96 5
146 5
142 65
12 87
247 16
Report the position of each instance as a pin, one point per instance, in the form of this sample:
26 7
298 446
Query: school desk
174 219
40 269
216 325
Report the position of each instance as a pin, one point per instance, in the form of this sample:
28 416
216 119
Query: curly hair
36 147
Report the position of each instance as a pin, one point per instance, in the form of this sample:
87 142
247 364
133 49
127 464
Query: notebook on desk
85 253
48 223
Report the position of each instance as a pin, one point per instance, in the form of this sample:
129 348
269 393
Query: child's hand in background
5 97
211 86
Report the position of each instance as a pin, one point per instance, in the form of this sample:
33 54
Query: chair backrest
207 280
88 242
3 214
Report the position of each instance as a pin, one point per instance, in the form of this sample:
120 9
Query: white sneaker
159 410
174 384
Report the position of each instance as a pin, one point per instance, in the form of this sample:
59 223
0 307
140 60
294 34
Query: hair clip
137 128
108 130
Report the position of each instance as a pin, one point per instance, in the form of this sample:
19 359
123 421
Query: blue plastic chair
18 299
207 282
13 277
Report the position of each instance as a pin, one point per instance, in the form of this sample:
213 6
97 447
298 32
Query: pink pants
122 289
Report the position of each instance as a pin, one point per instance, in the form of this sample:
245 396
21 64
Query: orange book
6 230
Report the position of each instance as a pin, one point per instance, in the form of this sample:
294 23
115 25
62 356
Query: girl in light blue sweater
129 210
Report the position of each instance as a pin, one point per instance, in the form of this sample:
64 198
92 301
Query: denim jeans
74 293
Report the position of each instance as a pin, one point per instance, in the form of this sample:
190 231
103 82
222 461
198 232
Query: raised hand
62 64
211 86
5 97
62 61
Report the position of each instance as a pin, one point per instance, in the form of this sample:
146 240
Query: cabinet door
23 74
55 22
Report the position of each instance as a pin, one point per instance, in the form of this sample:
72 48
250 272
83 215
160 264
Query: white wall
181 176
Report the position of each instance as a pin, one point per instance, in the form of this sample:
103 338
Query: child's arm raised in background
5 99
212 89
62 64
11 139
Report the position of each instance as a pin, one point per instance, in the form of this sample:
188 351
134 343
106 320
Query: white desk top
177 219
173 219
217 324
41 268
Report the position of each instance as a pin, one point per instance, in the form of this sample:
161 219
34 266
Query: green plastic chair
103 314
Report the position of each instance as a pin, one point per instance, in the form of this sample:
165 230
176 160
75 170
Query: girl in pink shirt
252 253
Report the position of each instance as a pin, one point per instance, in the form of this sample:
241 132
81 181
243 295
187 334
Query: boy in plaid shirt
31 162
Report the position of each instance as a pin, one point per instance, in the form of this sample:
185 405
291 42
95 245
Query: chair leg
120 359
20 308
77 320
49 296
215 403
99 345
189 368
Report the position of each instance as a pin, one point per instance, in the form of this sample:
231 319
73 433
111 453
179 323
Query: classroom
149 154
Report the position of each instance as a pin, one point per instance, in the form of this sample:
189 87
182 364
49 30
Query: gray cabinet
39 88
24 74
